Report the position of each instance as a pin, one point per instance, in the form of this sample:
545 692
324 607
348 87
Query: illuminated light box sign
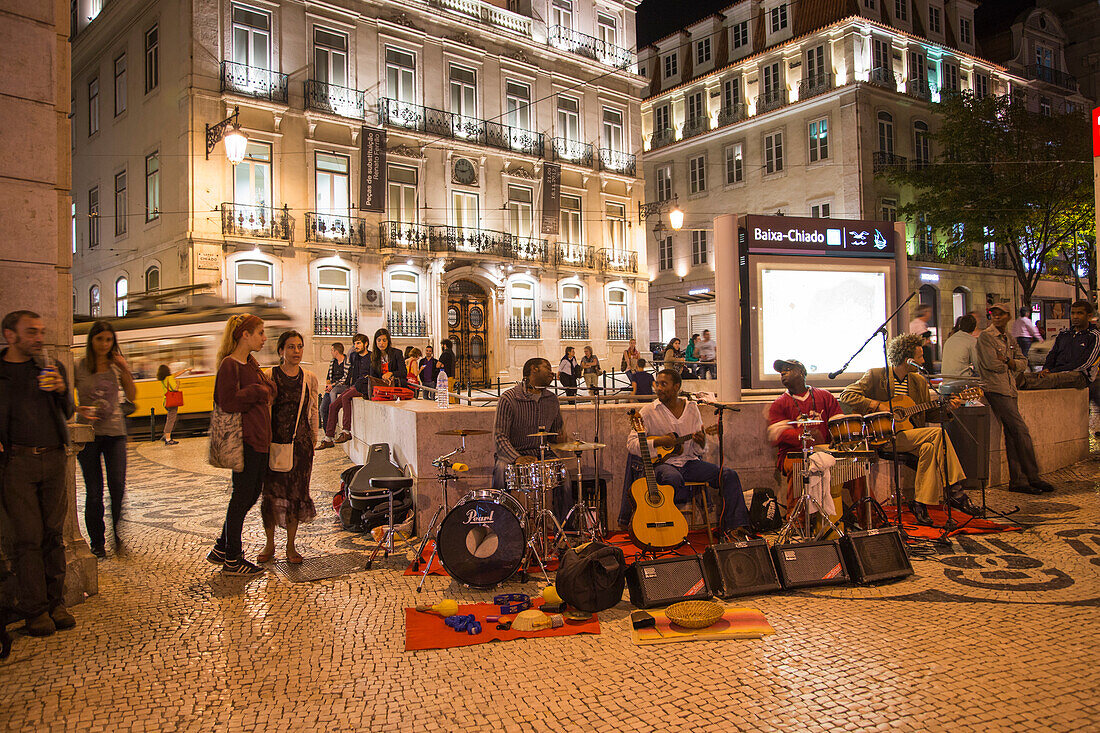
794 235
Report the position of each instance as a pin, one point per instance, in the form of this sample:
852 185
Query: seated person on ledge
666 418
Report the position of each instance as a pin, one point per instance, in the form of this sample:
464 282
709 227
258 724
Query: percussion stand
584 523
543 523
805 500
443 465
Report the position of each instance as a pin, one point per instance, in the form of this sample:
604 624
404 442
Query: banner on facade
551 197
372 170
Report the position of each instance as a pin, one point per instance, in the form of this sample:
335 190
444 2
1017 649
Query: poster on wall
551 197
372 170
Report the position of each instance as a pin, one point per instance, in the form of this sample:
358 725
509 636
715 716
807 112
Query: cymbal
576 446
462 432
541 434
800 423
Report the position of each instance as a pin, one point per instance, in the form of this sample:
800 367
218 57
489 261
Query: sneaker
171 442
344 437
240 566
99 551
326 443
41 625
62 619
216 556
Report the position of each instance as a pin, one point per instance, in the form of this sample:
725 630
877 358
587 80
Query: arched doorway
468 330
960 303
930 296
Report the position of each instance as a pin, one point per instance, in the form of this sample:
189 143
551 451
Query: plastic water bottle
441 399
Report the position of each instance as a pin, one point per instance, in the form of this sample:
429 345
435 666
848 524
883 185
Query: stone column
81 568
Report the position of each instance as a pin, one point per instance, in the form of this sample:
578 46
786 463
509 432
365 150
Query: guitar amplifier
810 564
876 554
662 582
740 569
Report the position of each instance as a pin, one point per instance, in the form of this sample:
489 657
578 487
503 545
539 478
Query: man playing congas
872 393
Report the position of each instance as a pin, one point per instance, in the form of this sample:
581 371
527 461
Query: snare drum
845 429
483 538
878 426
535 476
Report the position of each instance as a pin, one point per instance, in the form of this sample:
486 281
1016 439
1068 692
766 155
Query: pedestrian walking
173 399
707 351
103 380
568 369
1025 331
286 501
590 370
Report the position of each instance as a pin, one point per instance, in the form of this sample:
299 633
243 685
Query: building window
664 183
152 279
661 119
981 85
465 207
402 194
773 152
698 248
735 163
819 140
122 292
731 93
921 146
1044 106
569 118
820 211
918 71
950 74
520 211
404 294
254 280
697 174
400 75
93 301
93 106
695 111
561 13
330 57
152 59
517 99
880 61
925 242
1044 57
702 52
934 19
869 4
613 129
120 203
885 133
463 96
607 29
572 303
251 37
334 291
333 184
93 218
664 253
120 85
815 66
901 9
741 34
522 295
668 324
152 186
966 31
616 305
252 178
889 210
671 68
616 226
771 82
570 226
779 17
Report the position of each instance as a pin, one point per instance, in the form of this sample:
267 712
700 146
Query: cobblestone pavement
996 633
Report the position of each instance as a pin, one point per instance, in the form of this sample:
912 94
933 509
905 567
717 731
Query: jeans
704 368
327 400
343 402
34 500
247 485
1025 344
112 448
1022 467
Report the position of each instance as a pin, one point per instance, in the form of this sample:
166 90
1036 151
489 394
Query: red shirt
243 388
818 404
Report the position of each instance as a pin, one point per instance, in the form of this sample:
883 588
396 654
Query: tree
1007 176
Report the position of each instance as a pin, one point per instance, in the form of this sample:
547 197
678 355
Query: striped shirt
520 413
901 386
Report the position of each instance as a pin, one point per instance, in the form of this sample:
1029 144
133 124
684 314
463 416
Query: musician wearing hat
873 392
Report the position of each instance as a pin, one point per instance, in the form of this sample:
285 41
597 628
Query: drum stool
693 522
394 488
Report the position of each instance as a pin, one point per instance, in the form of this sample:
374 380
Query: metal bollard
152 425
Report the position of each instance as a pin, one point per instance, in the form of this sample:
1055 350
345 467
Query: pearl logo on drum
477 516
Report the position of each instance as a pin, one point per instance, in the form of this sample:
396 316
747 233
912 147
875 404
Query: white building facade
474 99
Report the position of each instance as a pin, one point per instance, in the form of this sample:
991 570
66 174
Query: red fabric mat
429 631
967 524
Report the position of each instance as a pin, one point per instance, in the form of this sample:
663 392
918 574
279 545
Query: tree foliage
1005 175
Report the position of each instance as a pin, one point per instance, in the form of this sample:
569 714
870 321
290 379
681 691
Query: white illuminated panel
820 317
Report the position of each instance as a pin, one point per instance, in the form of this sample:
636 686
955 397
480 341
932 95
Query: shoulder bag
226 439
172 397
281 455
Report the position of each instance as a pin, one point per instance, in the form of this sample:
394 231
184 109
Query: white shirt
659 420
706 350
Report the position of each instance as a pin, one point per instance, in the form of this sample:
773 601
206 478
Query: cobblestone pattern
996 633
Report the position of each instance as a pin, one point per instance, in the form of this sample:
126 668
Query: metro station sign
794 235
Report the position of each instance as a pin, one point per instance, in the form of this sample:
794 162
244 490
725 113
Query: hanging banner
551 197
372 170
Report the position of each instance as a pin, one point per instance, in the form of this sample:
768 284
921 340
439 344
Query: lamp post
228 130
657 208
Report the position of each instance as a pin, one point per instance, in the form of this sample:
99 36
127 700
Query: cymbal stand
443 465
805 500
585 525
543 524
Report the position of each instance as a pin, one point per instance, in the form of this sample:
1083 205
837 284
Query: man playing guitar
669 417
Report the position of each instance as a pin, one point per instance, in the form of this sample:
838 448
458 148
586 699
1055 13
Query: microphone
837 373
916 366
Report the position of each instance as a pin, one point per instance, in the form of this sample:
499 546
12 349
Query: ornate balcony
403 235
662 137
251 81
575 255
524 328
617 260
581 44
262 222
571 151
620 330
407 116
335 323
883 76
333 228
486 13
918 89
527 249
406 324
884 162
617 162
811 86
1052 76
467 239
774 99
732 115
966 257
696 126
574 329
334 100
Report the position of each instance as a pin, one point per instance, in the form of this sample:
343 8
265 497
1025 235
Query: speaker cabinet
877 554
969 433
810 564
655 583
740 569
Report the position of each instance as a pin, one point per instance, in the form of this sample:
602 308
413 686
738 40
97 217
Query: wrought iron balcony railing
919 164
394 113
335 323
263 222
252 81
466 239
334 228
406 324
575 255
811 86
335 100
403 235
887 161
617 162
571 151
620 330
968 258
488 14
883 76
919 89
733 114
574 329
584 45
1052 76
662 137
617 260
528 249
774 99
520 327
696 126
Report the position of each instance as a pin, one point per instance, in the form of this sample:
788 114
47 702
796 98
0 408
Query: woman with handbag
173 399
590 370
240 433
104 382
286 501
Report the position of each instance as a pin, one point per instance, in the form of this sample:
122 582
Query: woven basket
694 614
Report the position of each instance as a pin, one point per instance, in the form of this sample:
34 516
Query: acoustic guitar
657 524
905 407
663 454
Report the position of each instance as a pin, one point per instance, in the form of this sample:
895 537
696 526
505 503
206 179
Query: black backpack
764 513
592 577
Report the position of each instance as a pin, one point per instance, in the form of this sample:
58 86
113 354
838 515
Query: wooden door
468 330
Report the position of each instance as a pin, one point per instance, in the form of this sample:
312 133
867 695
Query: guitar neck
915 409
647 462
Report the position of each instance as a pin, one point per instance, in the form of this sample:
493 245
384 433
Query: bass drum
483 538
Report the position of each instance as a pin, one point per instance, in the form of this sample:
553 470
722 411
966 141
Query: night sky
658 18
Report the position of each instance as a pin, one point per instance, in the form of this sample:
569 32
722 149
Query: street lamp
657 208
676 218
229 130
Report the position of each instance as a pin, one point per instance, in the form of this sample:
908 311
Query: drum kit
489 535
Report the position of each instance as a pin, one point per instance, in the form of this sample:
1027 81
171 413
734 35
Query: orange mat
967 524
429 631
